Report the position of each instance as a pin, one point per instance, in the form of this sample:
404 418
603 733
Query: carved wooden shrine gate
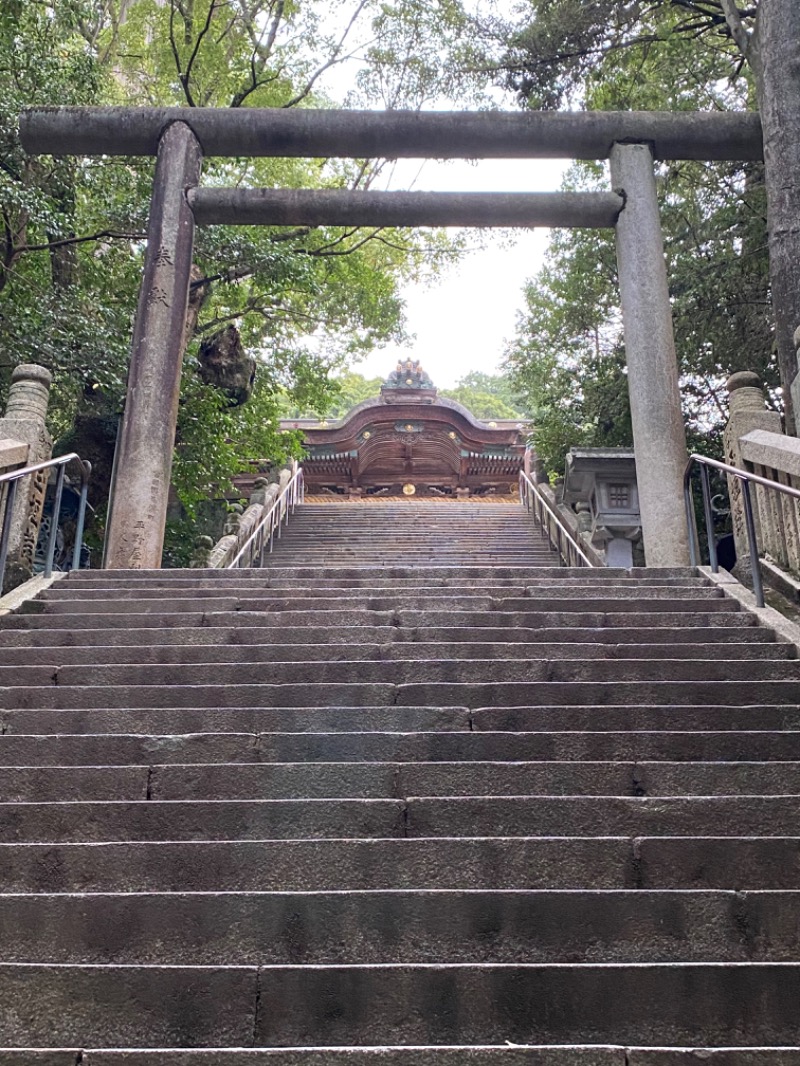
180 137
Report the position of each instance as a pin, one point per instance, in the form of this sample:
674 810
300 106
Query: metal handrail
745 477
533 500
263 536
13 477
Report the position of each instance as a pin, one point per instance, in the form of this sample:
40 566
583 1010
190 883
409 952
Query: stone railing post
748 411
24 420
794 388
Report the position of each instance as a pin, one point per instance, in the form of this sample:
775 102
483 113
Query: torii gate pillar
143 462
658 432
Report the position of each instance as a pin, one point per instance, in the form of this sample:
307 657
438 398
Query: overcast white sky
462 322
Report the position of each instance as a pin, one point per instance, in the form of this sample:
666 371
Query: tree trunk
778 37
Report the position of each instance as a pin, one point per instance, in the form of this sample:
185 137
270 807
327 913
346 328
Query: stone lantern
600 485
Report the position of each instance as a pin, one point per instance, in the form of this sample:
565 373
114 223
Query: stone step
397 666
679 637
427 520
405 543
434 518
236 580
407 538
655 641
357 594
335 928
347 865
577 745
202 820
391 649
295 1006
688 718
713 612
321 557
736 863
300 571
501 1055
386 780
422 694
698 600
429 525
486 816
427 528
375 547
682 638
252 720
429 533
388 545
263 721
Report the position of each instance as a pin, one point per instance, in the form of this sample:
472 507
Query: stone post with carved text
24 421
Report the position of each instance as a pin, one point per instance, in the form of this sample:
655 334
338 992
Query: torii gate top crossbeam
394 134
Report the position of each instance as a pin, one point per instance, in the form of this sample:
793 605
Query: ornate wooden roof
409 439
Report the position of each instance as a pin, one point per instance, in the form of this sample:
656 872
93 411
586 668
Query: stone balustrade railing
575 524
754 441
241 524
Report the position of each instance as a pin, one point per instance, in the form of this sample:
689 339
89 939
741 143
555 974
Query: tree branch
198 42
334 58
740 34
177 56
330 251
102 235
265 50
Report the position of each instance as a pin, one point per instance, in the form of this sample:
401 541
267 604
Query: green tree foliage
567 359
487 396
568 356
72 231
352 388
555 52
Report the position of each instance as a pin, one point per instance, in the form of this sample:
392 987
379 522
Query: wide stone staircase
411 795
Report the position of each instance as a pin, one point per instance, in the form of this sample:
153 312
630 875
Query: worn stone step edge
404 574
400 926
724 614
410 818
349 593
442 693
44 637
389 602
255 721
391 780
502 1055
656 1003
402 669
616 862
204 655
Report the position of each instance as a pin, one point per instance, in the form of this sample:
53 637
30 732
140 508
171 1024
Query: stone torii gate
181 137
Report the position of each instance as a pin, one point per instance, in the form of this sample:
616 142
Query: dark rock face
226 365
94 437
